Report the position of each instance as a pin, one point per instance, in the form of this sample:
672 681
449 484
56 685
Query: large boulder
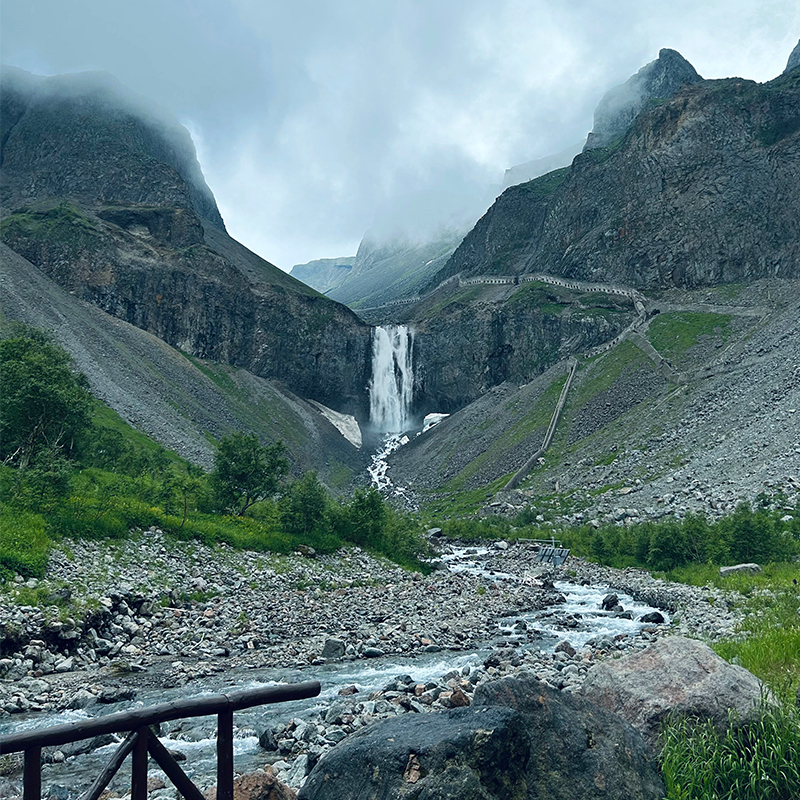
674 675
519 739
578 751
462 754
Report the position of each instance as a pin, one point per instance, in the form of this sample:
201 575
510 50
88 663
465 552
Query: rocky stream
130 624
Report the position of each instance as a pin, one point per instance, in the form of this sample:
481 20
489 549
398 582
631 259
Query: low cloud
317 120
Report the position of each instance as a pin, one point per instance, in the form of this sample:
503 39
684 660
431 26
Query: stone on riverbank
257 786
519 739
674 675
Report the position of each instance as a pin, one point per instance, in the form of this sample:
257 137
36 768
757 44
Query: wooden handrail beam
162 712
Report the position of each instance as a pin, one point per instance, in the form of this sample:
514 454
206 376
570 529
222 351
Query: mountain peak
659 79
128 148
794 59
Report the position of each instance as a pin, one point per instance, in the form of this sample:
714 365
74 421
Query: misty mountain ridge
104 196
699 192
405 267
133 148
700 189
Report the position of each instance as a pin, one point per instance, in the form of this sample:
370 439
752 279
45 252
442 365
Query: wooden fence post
139 765
32 776
225 755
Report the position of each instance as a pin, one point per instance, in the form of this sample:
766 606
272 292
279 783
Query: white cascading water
391 388
391 391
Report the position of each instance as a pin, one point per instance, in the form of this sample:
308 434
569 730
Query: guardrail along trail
141 742
518 476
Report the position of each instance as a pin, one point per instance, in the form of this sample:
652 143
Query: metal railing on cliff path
515 280
141 742
551 429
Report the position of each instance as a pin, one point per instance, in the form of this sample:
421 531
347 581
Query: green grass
602 372
460 502
758 761
539 296
545 185
64 224
106 418
463 296
538 417
673 333
24 543
217 373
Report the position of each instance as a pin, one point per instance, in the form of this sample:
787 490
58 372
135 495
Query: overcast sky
317 119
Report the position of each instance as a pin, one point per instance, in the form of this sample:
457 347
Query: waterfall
392 385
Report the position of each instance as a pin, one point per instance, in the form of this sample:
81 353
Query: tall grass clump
757 761
24 543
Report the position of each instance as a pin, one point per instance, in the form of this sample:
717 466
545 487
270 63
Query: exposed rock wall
701 191
656 81
104 194
467 349
197 299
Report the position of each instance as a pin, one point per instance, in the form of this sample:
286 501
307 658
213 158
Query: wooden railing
141 742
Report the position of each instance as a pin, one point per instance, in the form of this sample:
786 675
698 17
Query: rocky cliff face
655 82
323 274
109 202
794 59
85 136
471 339
701 190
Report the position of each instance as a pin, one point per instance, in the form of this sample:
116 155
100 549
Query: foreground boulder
257 786
462 754
675 675
578 751
519 739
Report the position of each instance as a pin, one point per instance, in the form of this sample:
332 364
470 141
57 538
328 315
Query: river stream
577 620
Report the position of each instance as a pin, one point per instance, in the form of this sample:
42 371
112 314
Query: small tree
246 472
44 404
368 516
303 508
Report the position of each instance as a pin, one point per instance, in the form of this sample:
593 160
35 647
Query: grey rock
794 59
658 80
463 754
674 675
267 740
654 617
750 569
333 648
609 602
578 751
565 647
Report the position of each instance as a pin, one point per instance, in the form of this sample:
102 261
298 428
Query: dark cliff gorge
701 190
470 339
108 200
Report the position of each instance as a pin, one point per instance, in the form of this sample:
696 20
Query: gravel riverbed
125 622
